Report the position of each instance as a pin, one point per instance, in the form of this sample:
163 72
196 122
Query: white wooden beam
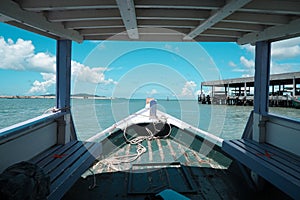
127 11
227 10
12 10
272 33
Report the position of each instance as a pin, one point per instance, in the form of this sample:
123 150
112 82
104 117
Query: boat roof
241 21
275 79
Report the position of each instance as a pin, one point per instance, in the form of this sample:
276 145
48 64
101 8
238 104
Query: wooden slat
160 149
150 151
276 166
168 157
72 173
47 159
65 163
45 154
276 156
288 156
268 169
62 155
171 150
69 161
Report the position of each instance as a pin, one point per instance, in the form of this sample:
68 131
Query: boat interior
264 163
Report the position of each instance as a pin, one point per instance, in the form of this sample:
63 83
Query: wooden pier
239 91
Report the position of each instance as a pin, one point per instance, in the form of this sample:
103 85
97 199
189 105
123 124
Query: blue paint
63 73
262 77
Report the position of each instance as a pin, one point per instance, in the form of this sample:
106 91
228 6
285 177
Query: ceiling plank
272 33
257 18
143 37
225 11
273 6
222 33
172 14
238 27
186 4
81 15
127 11
167 23
36 20
95 31
201 38
34 5
94 24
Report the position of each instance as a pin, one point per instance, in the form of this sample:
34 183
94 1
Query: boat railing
30 124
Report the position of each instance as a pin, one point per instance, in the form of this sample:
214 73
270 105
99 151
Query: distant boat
296 102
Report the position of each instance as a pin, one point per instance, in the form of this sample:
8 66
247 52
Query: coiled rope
115 162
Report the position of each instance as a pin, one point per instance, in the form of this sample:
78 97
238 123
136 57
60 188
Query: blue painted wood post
261 89
63 74
63 88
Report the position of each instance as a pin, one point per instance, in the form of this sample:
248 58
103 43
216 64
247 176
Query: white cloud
21 56
277 68
15 55
232 64
286 52
42 87
43 62
280 50
152 92
172 48
91 75
248 67
249 48
188 89
247 63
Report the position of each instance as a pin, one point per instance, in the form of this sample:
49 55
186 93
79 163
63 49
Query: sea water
92 116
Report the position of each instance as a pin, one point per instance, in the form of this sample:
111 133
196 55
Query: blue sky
130 69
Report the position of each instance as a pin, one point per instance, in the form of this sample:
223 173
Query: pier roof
241 21
275 79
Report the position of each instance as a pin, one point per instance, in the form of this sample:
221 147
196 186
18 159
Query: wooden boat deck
160 151
167 164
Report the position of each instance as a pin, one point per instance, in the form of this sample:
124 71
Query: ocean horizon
91 116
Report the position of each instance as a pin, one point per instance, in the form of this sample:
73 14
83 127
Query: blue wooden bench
277 166
65 164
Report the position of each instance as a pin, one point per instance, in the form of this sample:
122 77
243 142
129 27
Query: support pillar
201 92
63 88
261 89
245 89
294 86
63 77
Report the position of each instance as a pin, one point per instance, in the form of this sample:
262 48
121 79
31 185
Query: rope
117 160
55 110
94 184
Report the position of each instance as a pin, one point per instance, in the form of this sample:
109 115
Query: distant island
52 96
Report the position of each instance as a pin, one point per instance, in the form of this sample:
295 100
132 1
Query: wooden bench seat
65 164
277 166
